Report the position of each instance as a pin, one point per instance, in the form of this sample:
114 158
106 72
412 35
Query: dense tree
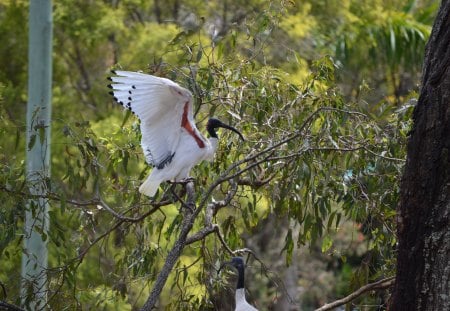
316 179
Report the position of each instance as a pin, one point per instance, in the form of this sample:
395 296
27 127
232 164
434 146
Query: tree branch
268 151
201 234
381 284
156 206
9 307
97 201
175 252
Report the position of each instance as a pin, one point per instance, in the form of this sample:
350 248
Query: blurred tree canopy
323 92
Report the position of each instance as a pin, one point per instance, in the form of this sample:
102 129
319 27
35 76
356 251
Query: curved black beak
215 123
226 263
232 129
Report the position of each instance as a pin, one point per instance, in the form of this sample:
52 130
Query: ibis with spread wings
171 142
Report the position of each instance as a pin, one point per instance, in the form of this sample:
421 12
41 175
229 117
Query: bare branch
383 156
201 234
189 215
97 201
9 307
156 206
257 182
212 208
381 284
222 240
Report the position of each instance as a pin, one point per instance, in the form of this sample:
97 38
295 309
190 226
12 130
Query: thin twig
9 307
381 284
83 253
222 240
98 201
384 157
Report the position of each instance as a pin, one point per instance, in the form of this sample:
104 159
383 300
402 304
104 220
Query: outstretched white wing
159 103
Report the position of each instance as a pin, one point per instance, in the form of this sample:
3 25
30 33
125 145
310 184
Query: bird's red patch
188 127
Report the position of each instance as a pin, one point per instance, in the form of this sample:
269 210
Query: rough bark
423 270
175 252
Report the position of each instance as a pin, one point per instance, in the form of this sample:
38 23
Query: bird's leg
183 181
172 187
183 204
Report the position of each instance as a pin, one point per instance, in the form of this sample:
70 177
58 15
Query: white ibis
171 142
241 302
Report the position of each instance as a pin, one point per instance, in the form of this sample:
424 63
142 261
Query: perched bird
171 142
241 303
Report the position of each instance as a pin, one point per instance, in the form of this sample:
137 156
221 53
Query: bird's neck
240 282
214 142
240 295
211 131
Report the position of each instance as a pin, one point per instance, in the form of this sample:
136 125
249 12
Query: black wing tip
110 86
115 98
114 73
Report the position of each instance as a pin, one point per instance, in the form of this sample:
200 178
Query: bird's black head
214 123
238 263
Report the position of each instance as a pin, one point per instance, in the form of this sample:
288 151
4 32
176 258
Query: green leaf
125 119
125 157
288 247
32 141
185 274
199 54
327 242
210 81
42 134
18 132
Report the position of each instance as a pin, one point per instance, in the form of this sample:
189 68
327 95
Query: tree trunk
34 258
423 270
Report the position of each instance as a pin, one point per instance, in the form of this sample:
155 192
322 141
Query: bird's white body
186 156
171 142
241 302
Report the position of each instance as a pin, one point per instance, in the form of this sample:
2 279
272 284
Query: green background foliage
323 92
